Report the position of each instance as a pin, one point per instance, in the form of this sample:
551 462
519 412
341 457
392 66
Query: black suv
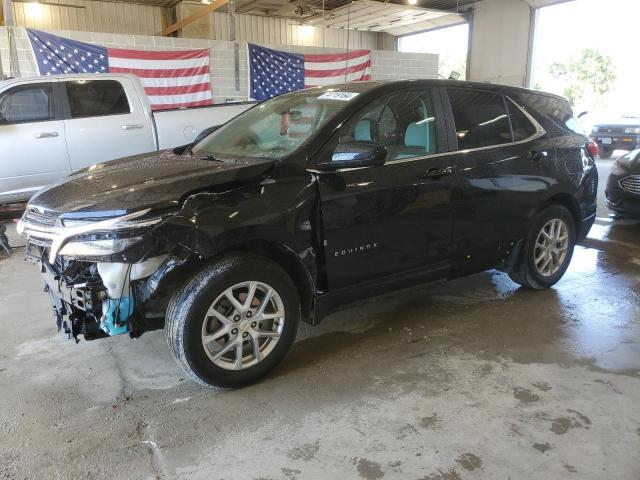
307 202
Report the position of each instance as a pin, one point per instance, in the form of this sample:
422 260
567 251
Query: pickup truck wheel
234 321
547 250
605 152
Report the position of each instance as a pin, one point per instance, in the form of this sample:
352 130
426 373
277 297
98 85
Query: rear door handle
133 126
437 172
535 155
46 135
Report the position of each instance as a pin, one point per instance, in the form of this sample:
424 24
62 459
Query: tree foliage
591 74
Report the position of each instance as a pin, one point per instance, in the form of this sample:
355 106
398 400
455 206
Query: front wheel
234 321
547 249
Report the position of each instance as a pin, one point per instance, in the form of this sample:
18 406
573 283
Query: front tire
547 249
233 322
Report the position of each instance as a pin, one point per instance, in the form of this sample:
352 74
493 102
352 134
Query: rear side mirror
355 155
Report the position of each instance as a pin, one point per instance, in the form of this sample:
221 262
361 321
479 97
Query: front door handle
133 126
536 156
46 135
437 172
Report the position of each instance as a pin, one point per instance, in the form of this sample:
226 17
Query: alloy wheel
551 247
243 325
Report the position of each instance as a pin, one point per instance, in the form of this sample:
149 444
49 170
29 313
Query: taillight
592 148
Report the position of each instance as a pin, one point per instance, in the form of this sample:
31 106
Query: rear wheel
605 152
234 321
547 250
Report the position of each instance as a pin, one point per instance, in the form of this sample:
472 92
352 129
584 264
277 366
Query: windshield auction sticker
344 96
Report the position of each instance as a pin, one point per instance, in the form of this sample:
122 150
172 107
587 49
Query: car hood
157 181
632 166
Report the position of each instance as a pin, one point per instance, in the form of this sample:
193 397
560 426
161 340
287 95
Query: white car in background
51 126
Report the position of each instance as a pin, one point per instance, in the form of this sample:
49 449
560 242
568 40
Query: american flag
273 72
171 79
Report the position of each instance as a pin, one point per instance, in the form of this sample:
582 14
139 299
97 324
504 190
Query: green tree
591 74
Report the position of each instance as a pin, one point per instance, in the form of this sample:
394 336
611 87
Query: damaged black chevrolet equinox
307 202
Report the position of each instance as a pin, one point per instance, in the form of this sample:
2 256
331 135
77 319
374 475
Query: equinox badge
351 251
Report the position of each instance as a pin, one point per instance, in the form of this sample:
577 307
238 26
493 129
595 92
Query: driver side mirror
355 155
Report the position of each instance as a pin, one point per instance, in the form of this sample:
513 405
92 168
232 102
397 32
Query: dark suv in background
622 193
307 202
620 135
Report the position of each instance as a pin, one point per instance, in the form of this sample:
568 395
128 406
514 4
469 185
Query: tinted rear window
480 117
522 127
97 98
573 125
556 113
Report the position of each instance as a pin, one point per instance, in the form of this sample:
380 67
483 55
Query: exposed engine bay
99 299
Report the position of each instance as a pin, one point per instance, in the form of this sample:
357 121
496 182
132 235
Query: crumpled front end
101 276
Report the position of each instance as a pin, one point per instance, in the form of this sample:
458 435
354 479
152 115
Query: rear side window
96 98
573 125
27 103
555 113
480 117
522 126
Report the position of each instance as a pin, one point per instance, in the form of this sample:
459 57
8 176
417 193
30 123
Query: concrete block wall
4 51
386 65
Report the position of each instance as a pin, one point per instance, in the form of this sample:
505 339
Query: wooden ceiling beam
202 12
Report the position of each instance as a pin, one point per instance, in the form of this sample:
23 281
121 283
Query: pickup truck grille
631 184
615 130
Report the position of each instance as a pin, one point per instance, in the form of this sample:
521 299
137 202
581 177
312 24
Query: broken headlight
97 248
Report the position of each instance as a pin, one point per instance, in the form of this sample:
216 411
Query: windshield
274 128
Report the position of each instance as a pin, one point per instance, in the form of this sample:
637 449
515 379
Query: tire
191 318
527 273
605 152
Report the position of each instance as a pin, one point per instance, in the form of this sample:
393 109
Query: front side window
27 103
403 122
480 117
275 128
97 98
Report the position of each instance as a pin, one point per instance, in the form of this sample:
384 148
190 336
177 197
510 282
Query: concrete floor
474 379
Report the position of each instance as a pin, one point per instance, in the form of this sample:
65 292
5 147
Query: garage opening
595 72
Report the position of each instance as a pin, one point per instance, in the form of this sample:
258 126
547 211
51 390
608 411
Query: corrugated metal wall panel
284 31
104 17
134 19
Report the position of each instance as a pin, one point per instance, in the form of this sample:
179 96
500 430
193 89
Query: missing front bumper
103 302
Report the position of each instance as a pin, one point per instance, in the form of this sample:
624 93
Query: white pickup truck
51 126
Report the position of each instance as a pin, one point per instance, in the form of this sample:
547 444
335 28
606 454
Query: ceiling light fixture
306 31
33 10
413 2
